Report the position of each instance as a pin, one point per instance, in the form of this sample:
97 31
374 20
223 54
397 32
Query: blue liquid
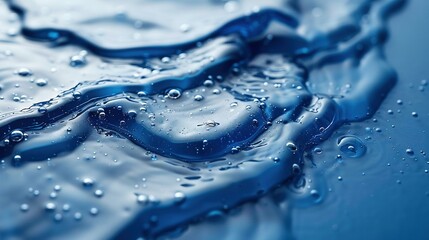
176 117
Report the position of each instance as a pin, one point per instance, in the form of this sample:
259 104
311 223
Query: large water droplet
174 93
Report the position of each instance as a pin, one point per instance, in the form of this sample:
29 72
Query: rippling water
130 119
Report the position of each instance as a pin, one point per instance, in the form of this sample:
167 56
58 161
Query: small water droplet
78 60
41 82
174 93
292 146
78 216
98 193
50 206
93 211
87 182
179 197
208 83
198 98
24 207
142 199
24 72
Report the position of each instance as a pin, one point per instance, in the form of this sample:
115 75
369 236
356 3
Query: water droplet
208 83
98 193
50 206
351 146
414 114
42 110
211 123
93 211
77 94
179 197
141 94
185 27
58 217
292 146
409 151
41 82
315 195
66 207
142 199
16 136
216 91
230 6
132 114
24 207
165 60
198 98
78 60
87 182
17 158
296 169
78 216
24 72
174 93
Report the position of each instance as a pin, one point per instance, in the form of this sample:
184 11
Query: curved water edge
228 101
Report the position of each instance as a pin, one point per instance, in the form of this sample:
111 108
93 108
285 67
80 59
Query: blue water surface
209 120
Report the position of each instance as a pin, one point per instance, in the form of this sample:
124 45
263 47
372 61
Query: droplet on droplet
174 93
16 136
351 146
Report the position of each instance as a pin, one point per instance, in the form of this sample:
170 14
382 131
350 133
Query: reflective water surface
184 119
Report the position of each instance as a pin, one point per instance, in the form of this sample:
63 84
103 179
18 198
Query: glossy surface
119 123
